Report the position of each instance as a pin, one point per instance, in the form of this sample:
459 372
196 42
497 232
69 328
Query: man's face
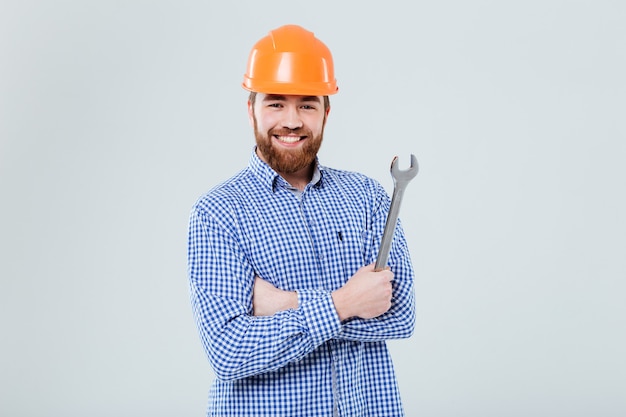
288 129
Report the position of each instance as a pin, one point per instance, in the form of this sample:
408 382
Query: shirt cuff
304 296
319 312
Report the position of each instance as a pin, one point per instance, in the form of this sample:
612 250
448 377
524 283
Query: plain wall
116 115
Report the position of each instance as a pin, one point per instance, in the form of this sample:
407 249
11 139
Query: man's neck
299 179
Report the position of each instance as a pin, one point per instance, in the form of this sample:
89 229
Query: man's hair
252 99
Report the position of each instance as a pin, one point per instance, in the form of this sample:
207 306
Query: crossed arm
366 295
285 326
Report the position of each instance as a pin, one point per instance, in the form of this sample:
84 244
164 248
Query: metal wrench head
404 176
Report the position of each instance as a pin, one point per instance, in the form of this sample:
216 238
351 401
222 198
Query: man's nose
292 118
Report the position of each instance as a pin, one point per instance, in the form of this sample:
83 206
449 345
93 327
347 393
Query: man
291 313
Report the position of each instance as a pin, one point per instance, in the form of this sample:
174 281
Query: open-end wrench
400 181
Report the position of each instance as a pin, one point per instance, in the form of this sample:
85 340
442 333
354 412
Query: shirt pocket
356 248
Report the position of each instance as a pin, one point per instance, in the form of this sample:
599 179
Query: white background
116 115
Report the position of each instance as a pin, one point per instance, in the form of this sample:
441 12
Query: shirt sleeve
399 321
238 344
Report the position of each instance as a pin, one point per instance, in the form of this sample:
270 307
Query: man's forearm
268 300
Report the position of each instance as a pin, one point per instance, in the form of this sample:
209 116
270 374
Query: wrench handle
390 227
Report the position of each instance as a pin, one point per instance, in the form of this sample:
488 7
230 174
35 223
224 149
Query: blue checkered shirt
302 362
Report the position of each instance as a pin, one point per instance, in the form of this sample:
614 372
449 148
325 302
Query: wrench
400 181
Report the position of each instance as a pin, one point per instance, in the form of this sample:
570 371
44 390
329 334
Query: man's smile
289 139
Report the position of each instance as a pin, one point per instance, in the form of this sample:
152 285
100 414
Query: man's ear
250 114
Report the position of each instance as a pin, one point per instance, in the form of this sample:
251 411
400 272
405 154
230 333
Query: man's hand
268 300
367 294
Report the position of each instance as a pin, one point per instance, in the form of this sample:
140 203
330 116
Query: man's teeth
288 139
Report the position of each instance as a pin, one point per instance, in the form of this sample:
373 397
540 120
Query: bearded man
290 310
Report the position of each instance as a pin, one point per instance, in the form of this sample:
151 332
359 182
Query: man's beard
288 161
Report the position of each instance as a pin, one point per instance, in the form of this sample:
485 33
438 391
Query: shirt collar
271 179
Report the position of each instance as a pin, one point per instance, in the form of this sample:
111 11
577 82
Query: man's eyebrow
311 98
274 97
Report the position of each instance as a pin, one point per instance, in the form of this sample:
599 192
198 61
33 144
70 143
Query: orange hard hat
290 60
